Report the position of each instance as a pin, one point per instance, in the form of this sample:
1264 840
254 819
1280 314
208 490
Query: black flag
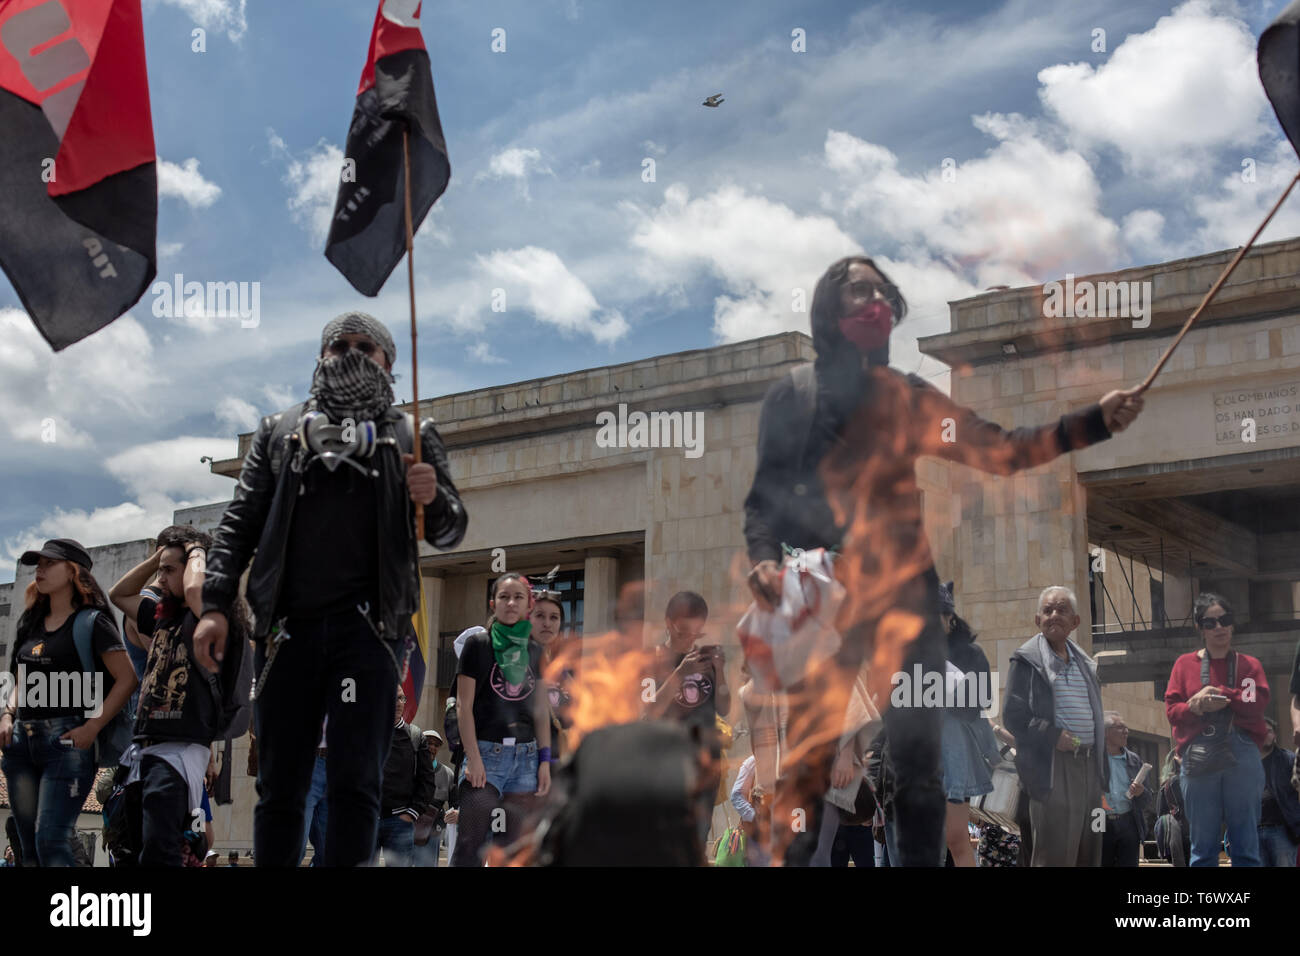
78 183
368 234
1279 70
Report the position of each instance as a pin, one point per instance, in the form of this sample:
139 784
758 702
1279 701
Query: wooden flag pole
415 365
1214 289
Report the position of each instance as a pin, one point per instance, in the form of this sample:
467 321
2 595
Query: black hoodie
853 435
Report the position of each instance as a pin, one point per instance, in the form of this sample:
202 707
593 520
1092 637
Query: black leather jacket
261 514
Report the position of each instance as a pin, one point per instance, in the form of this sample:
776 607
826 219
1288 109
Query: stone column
600 590
429 716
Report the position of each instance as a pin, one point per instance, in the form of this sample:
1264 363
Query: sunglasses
340 346
1210 623
541 594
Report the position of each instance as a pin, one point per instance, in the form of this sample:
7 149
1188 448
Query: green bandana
510 648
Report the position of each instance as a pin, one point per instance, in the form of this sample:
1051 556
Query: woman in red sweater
1215 702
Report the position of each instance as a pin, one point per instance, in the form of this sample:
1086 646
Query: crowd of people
293 622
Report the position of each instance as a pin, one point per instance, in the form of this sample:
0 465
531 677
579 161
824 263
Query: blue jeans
316 815
427 855
1233 797
333 666
511 769
48 783
1275 847
397 840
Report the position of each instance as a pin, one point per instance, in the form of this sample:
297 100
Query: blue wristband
543 754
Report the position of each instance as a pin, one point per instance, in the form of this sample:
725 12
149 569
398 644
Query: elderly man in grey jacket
1053 707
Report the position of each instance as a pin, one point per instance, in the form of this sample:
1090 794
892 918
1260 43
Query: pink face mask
869 329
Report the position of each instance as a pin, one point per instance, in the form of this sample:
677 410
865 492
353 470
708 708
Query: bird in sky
714 100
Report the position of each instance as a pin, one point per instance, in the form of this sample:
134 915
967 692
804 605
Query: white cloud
762 251
553 293
313 180
482 352
237 414
1231 213
186 183
168 249
161 477
650 146
518 164
980 215
172 468
75 387
216 14
278 397
1166 97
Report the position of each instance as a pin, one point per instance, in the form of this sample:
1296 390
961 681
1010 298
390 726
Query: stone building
1135 525
1181 502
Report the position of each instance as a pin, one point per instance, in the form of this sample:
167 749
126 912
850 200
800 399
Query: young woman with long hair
505 724
48 740
547 621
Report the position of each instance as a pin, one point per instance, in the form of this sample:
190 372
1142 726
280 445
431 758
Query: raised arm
956 433
125 594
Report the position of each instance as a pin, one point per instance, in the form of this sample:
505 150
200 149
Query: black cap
59 549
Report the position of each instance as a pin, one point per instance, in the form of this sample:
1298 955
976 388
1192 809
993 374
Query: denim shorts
965 772
510 769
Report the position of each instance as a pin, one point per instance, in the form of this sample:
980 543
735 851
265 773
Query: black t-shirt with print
501 710
178 698
47 658
694 702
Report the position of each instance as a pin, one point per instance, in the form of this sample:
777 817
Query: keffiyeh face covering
351 386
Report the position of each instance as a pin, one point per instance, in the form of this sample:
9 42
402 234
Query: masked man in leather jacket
326 499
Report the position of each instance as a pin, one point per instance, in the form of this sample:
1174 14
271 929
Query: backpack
235 690
123 822
115 736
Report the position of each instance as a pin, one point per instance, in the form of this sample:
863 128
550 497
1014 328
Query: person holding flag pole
332 489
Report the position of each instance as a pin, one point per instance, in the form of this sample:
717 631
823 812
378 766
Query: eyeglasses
1210 623
865 289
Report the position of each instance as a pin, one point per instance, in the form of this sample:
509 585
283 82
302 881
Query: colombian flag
413 682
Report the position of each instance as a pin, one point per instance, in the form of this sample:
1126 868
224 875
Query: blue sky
1066 158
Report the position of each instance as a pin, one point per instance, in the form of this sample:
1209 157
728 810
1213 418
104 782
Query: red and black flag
1279 69
368 235
78 182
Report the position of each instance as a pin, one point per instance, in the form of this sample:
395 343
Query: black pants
165 811
333 666
915 753
1119 841
855 842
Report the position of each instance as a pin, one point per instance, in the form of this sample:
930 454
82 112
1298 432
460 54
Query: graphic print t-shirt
49 661
693 701
501 710
176 701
